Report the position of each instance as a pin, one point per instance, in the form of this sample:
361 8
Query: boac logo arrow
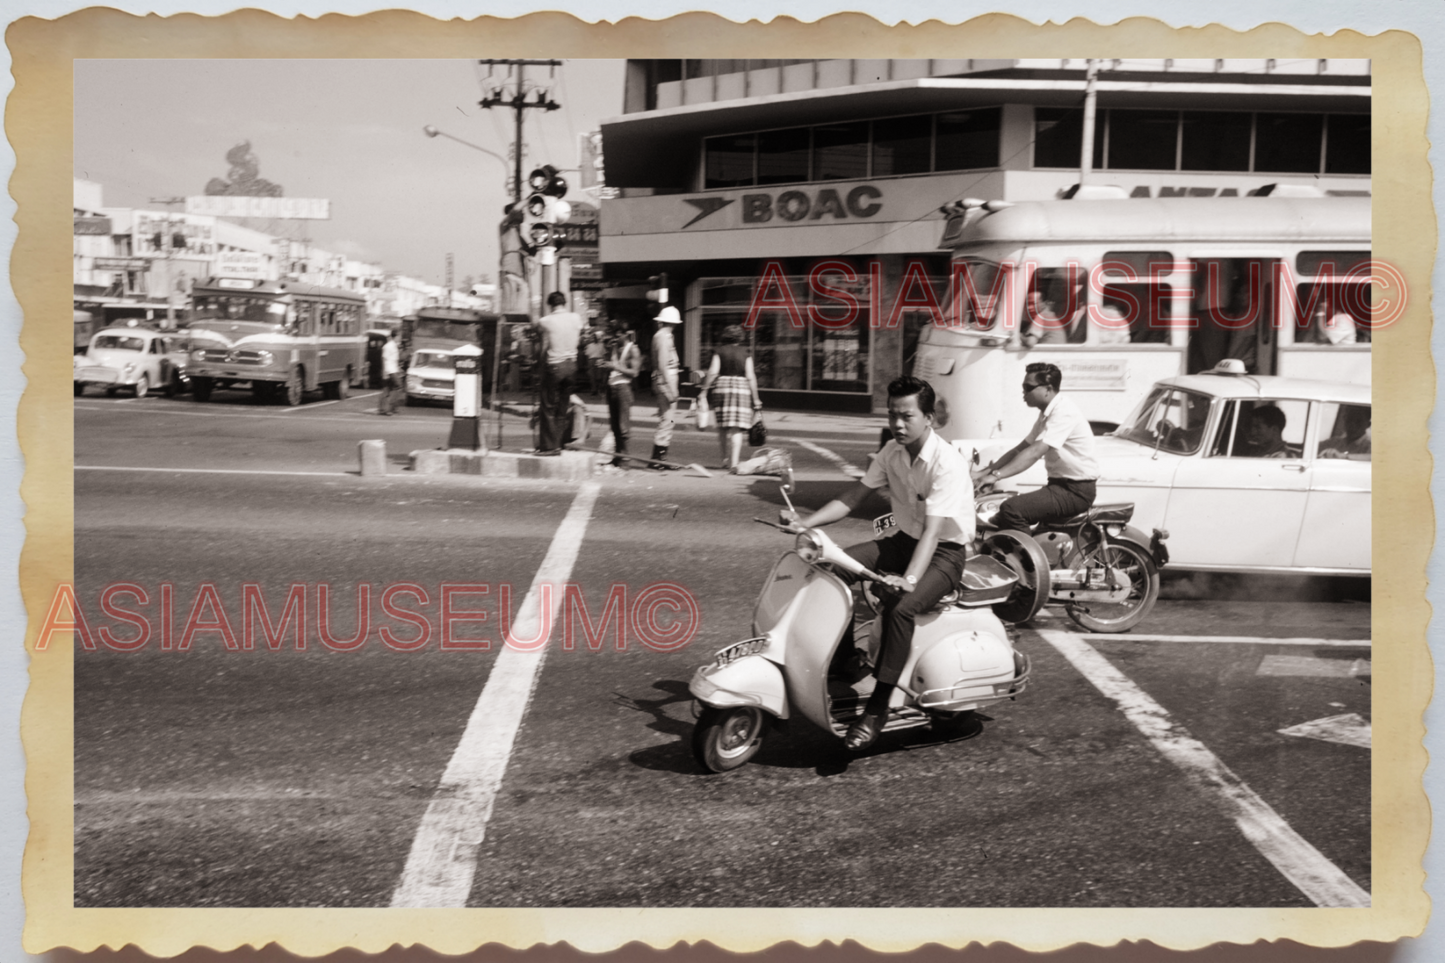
706 205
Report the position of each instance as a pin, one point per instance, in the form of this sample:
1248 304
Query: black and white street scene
722 483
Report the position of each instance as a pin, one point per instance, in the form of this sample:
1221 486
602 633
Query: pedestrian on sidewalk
665 366
559 332
596 353
734 399
391 386
622 365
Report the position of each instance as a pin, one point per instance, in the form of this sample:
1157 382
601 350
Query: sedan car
1248 473
136 358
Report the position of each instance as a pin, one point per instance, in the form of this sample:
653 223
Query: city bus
282 338
1120 293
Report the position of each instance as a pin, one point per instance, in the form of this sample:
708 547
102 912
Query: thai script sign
226 205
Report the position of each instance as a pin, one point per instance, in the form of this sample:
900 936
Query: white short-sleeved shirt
938 483
1064 429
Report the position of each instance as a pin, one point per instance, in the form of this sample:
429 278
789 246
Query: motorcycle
961 659
1104 571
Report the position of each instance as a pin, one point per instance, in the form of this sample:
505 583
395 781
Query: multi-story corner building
732 173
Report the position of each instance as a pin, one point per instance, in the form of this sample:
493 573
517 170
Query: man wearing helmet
922 561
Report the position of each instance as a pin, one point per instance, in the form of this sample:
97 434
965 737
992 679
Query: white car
1247 473
140 359
431 376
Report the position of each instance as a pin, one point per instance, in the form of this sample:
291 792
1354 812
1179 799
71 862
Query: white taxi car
137 358
1247 473
431 376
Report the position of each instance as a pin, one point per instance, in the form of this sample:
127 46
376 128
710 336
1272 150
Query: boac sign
865 200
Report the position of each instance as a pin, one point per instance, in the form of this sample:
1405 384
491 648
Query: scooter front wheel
724 739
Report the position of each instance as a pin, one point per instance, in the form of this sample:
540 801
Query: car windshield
433 359
438 328
233 307
1170 419
119 342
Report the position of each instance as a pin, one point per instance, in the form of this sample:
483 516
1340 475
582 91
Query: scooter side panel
813 626
939 627
749 681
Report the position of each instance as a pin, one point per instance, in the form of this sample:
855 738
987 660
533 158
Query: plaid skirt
732 402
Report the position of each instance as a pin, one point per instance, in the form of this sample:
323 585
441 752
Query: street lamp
431 131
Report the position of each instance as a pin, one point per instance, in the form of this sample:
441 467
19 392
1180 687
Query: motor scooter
961 658
1104 571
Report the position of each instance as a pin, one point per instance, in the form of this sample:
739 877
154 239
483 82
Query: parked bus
1122 292
283 338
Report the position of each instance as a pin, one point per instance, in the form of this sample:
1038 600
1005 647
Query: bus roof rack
1095 192
1288 190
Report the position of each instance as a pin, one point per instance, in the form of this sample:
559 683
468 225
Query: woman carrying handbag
732 387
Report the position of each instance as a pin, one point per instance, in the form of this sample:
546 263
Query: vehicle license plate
883 523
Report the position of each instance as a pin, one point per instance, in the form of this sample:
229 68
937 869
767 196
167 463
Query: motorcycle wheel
1143 576
724 739
1021 553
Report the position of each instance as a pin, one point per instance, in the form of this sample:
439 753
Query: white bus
1122 292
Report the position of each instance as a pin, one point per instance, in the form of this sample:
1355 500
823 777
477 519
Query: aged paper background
38 127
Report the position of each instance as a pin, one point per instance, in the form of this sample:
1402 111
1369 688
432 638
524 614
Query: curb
568 466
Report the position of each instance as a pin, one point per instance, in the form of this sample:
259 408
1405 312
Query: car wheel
201 389
79 389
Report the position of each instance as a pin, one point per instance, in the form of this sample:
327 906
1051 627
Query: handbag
758 433
703 413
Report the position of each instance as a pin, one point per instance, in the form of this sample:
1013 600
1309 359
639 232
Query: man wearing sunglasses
1063 439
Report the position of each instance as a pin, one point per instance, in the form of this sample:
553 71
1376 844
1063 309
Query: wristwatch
910 580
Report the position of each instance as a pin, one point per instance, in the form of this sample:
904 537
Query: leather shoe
863 733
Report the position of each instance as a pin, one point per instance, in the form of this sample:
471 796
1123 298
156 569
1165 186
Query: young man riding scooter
928 484
1063 438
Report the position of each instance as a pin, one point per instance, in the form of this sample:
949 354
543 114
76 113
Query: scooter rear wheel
724 739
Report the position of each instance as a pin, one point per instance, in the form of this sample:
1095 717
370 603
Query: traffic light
657 288
542 211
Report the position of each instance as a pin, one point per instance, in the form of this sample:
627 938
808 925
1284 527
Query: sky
346 130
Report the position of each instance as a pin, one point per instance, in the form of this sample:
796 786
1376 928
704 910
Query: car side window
1269 428
1345 431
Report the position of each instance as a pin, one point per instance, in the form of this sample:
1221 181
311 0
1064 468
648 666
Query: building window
1059 135
967 139
730 160
1347 144
840 152
902 145
1142 140
1288 143
782 156
1215 140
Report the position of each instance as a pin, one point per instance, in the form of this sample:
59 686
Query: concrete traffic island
568 466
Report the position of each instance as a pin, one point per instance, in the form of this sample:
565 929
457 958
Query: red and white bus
283 338
1120 293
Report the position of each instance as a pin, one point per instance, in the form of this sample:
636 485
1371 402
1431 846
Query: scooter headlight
808 547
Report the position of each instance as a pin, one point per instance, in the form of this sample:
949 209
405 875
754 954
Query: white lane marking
443 858
1298 861
846 467
323 404
1233 640
1312 666
1350 729
215 471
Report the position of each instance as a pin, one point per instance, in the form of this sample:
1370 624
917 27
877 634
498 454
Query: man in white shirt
391 389
1063 438
560 331
932 497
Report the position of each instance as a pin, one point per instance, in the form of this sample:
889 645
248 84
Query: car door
1336 529
1232 508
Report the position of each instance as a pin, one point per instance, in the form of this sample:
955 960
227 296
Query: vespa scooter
1104 571
961 659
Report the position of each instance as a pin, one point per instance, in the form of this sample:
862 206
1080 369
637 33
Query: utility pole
520 104
1086 152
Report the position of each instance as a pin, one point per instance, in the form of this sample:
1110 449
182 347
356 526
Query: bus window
1144 302
1054 309
305 318
960 309
1233 313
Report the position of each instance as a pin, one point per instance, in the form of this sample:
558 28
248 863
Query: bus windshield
234 307
441 328
983 309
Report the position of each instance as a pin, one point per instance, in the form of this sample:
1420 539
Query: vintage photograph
548 483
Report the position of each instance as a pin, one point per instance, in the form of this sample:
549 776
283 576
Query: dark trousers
900 612
1061 498
619 410
392 393
557 381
